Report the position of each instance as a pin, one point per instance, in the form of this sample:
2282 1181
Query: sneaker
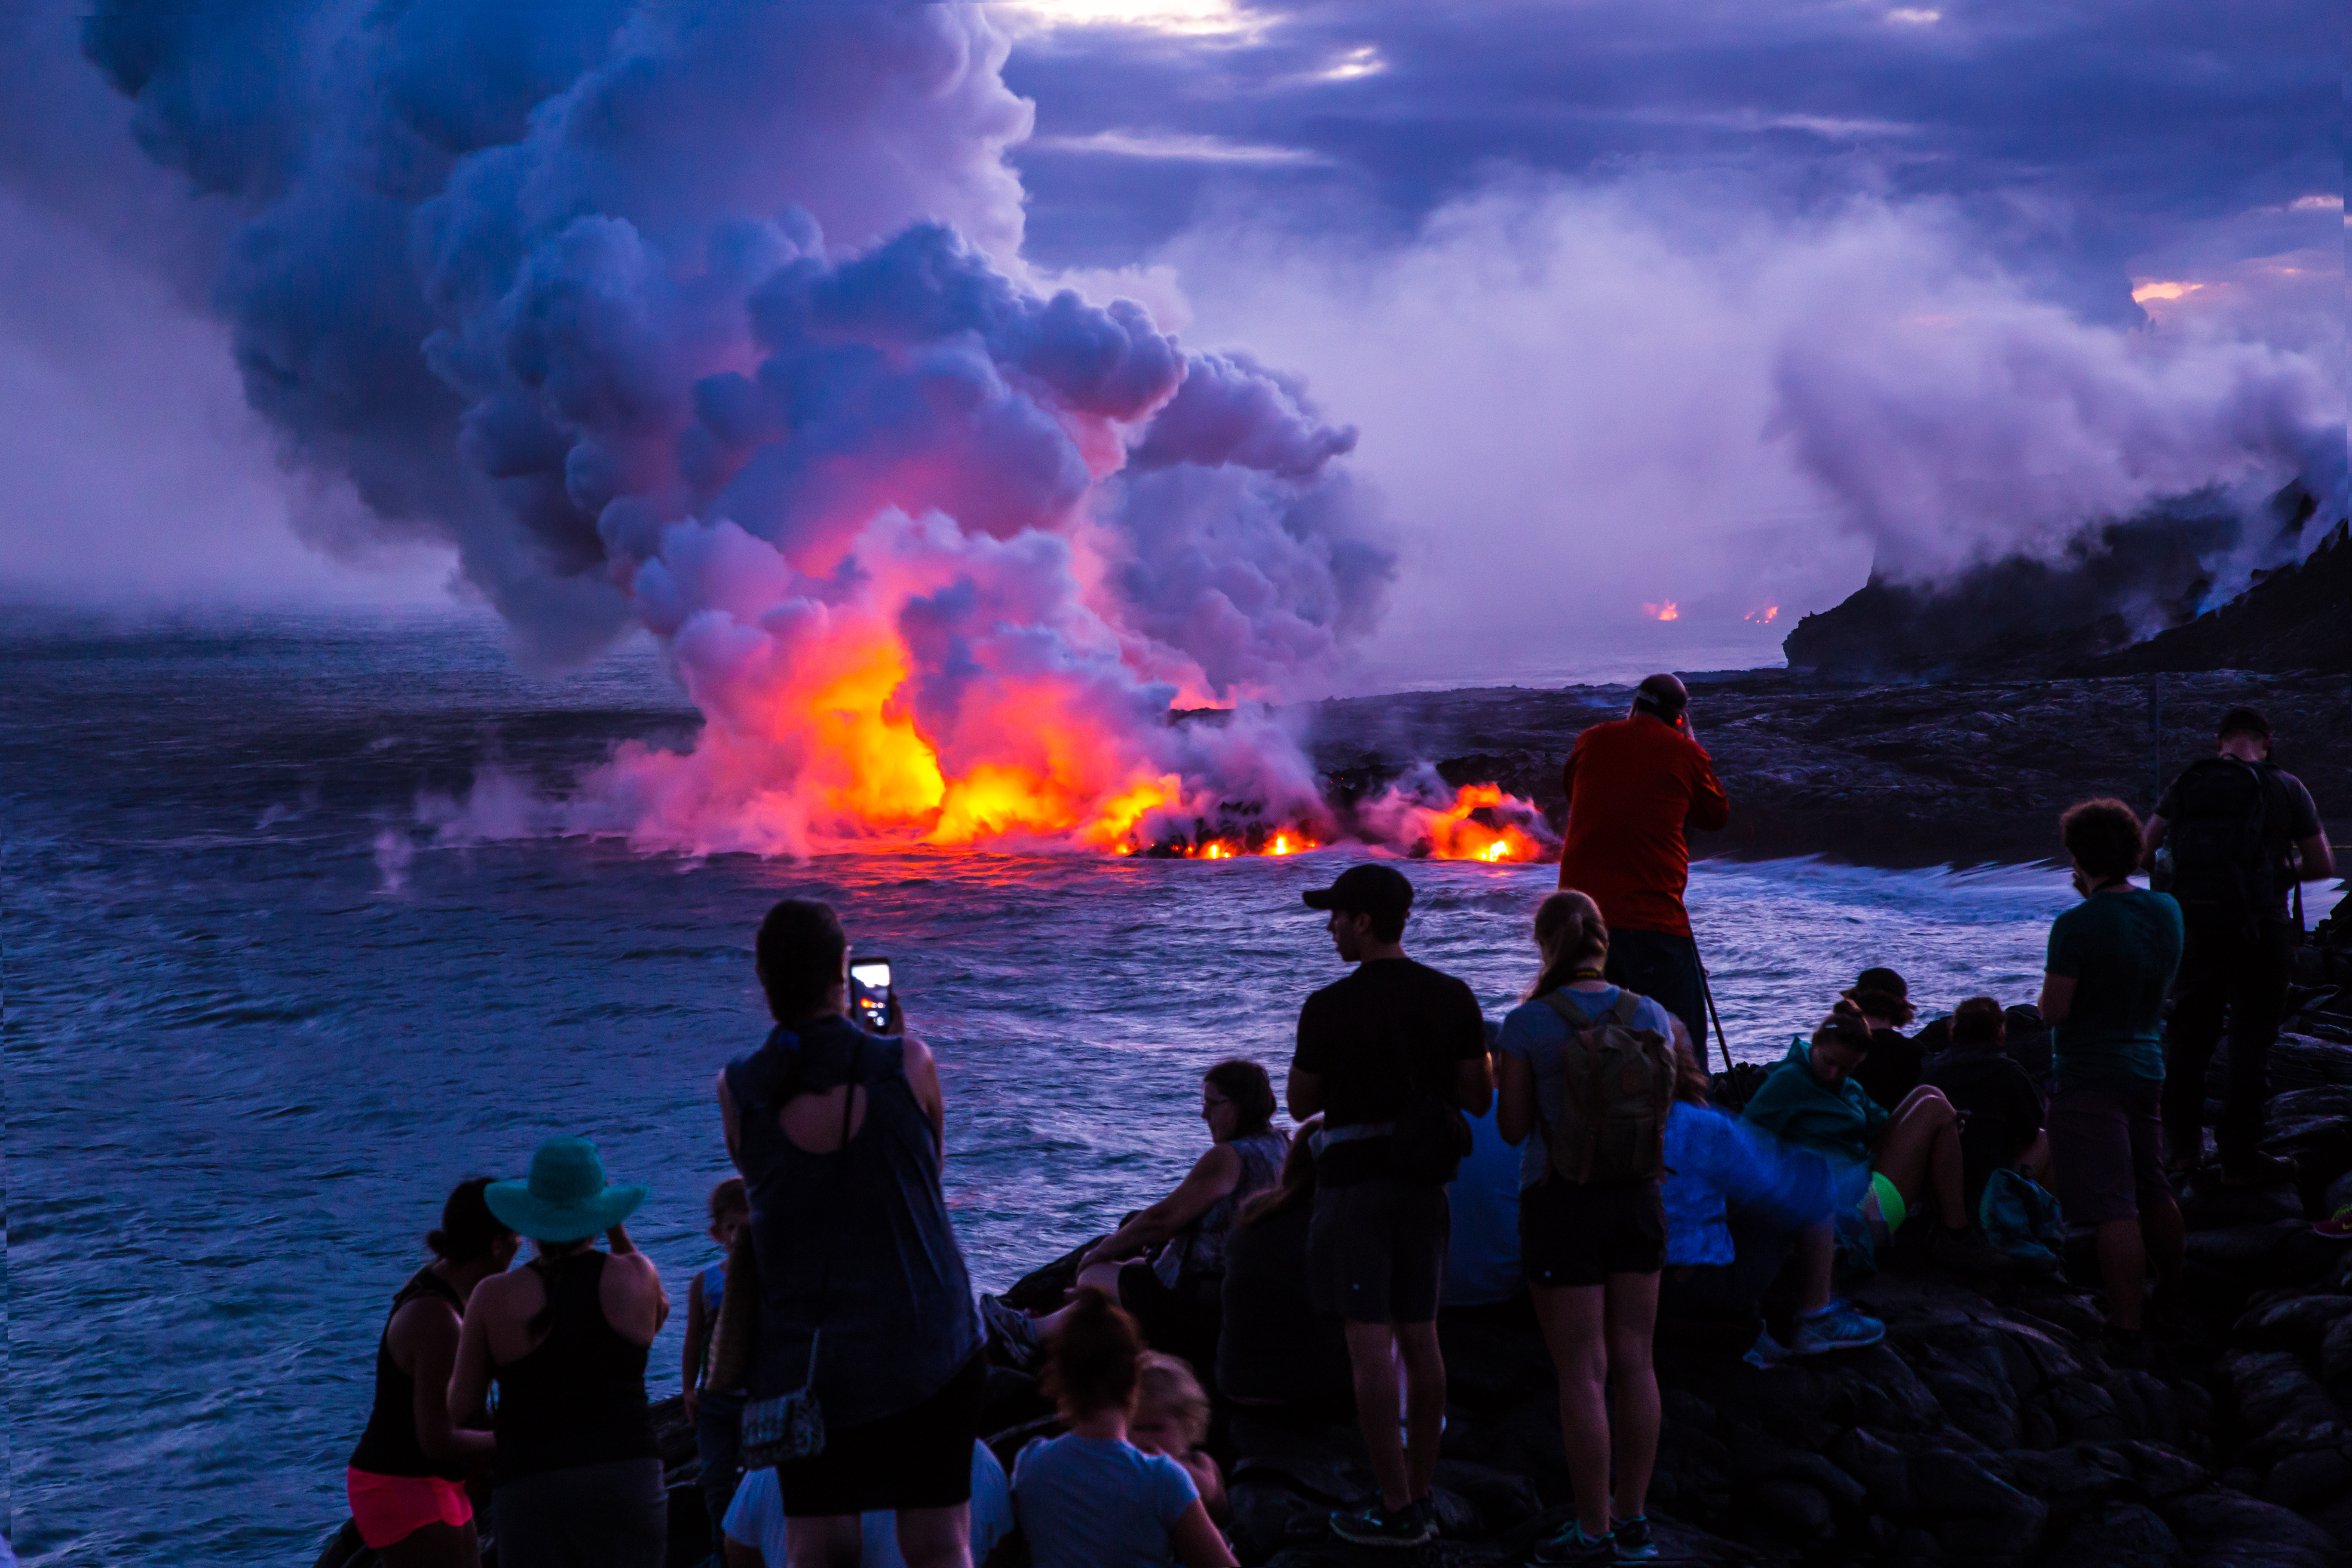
2257 1170
2337 1227
1632 1539
1767 1352
1836 1327
1571 1548
1968 1252
1012 1337
1380 1526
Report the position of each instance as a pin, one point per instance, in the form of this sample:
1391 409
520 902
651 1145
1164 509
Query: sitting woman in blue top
1739 1201
1090 1499
1887 1161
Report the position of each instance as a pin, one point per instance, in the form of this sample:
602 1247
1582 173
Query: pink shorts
390 1509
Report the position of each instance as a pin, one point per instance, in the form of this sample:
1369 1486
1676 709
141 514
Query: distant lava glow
1480 822
1763 617
1665 612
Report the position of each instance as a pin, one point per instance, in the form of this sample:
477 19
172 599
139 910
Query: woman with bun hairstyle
407 1476
1091 1498
566 1338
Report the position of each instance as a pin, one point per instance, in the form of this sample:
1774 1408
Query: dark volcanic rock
1902 773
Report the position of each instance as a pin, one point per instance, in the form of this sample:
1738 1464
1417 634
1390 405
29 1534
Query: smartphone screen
869 992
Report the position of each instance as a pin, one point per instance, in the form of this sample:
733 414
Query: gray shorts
2107 1152
1376 1250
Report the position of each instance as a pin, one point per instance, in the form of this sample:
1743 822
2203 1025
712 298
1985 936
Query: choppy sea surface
259 1022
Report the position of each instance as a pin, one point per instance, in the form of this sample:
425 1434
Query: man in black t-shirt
2243 834
1387 1055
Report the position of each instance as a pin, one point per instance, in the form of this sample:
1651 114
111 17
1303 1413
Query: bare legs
1102 1276
1600 1337
1920 1154
2127 1247
1817 1256
1404 1465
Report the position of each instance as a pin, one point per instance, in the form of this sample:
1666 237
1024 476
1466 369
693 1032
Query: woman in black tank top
407 1477
580 1475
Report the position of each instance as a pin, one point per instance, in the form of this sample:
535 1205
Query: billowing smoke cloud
1662 390
711 318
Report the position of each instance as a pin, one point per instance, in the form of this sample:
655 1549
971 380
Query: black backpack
2222 866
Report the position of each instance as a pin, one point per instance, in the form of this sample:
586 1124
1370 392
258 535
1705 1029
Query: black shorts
2107 1152
1571 1235
1376 1250
918 1458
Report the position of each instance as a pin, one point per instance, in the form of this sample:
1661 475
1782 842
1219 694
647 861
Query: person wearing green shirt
2111 963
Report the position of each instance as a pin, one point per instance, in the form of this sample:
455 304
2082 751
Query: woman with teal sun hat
565 1339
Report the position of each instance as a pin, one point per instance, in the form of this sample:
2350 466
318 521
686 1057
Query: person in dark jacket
407 1476
1891 1161
1999 1107
1273 1347
579 1474
864 1298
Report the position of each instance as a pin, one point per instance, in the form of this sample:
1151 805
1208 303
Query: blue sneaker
1766 1352
1632 1539
1571 1548
1836 1327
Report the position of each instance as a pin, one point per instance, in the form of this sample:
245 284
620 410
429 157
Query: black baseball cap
1370 890
2243 721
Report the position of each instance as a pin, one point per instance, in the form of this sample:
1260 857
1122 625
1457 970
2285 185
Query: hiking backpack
2220 860
1616 1084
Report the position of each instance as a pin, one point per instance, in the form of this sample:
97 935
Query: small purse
790 1426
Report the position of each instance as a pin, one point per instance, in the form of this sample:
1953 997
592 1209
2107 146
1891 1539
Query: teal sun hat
567 1197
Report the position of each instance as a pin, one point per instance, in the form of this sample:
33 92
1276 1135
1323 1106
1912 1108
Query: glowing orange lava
1665 612
1763 617
1454 834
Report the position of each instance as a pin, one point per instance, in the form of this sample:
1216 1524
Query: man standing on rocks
1391 1055
2241 832
1633 785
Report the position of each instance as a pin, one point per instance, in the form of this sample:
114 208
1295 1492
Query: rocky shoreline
1897 773
1988 1428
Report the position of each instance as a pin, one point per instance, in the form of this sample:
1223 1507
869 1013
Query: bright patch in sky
2145 291
1175 146
1191 17
1361 62
2321 203
1914 16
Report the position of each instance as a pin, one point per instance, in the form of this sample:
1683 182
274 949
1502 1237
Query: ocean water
257 1022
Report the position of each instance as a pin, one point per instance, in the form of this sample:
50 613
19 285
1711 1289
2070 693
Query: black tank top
389 1446
580 1397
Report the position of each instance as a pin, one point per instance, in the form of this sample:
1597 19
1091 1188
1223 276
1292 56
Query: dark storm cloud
2092 131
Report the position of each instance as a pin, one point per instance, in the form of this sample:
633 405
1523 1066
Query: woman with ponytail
1091 1498
1591 1250
407 1479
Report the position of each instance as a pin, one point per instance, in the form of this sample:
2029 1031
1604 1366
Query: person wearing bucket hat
865 1307
1891 1071
565 1339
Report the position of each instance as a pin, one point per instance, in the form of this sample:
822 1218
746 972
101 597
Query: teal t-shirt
2120 948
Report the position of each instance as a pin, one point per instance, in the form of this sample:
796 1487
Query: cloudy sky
1631 305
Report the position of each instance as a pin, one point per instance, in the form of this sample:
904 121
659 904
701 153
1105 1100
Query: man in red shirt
1633 783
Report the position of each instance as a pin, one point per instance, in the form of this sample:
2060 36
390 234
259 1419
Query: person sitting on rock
2111 963
407 1476
1174 1294
1887 1162
1591 1248
2000 1110
1738 1202
1091 1498
1891 1071
1172 1418
1274 1348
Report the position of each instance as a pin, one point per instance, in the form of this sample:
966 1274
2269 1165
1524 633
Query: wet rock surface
1898 774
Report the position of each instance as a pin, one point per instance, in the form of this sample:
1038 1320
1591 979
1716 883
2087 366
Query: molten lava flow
1665 612
1763 617
1478 822
1457 833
